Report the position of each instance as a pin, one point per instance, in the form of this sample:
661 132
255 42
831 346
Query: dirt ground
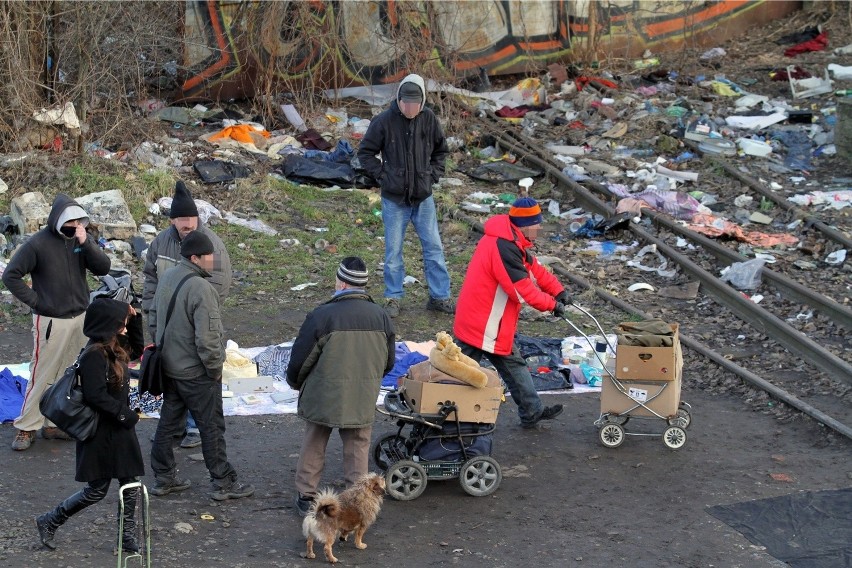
564 500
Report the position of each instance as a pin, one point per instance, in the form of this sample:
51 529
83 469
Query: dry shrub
102 56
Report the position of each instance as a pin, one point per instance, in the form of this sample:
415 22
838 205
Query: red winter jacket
503 271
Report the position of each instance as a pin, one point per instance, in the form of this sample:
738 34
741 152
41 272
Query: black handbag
151 377
62 403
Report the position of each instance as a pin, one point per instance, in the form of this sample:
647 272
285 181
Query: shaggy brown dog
334 514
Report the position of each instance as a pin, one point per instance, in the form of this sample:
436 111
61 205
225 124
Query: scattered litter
300 287
408 280
640 286
652 250
65 116
753 147
255 225
688 291
837 257
758 217
834 199
218 171
744 275
806 88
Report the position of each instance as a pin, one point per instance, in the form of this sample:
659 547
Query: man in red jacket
502 272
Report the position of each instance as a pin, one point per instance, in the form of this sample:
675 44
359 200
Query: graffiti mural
233 48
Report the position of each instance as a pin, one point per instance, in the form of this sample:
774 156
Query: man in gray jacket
344 348
192 358
164 252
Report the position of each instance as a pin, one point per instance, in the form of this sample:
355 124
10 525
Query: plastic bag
744 275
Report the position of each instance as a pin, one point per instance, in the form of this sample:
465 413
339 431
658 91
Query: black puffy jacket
413 151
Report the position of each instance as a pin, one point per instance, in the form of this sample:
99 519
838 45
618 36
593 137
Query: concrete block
843 129
29 212
109 211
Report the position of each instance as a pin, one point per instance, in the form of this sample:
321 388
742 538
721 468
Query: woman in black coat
113 452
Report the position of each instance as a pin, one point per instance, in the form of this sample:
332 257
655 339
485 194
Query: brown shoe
23 440
54 433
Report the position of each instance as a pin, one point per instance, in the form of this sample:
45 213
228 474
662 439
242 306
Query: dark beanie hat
196 243
182 203
525 212
352 270
410 93
104 319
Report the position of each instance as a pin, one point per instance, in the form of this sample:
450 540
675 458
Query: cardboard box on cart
645 373
473 404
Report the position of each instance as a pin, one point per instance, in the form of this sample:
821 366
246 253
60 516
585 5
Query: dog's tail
327 504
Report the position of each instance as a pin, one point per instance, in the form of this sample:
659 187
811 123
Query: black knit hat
410 93
104 319
182 203
353 271
196 243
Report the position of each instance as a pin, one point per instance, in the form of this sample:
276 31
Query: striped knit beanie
353 271
525 212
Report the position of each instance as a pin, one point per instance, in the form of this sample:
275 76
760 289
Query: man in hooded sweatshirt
56 259
414 151
502 271
164 252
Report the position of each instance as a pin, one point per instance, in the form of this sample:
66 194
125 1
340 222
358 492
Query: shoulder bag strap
172 307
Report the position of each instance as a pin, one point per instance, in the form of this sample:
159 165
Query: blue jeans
515 373
425 220
191 426
203 397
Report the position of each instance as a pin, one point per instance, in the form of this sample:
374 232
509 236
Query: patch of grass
83 180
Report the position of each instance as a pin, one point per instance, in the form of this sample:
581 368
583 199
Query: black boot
49 522
47 525
129 544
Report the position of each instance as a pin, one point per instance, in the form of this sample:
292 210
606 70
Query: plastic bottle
843 92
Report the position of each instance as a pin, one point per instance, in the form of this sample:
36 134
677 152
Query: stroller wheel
611 435
387 450
674 437
683 419
405 480
480 476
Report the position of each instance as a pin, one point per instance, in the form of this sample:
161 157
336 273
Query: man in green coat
344 348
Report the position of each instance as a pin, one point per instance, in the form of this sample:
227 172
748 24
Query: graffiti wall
234 49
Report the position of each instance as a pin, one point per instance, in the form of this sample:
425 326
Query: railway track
793 346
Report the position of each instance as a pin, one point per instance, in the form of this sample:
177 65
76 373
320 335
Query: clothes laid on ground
12 389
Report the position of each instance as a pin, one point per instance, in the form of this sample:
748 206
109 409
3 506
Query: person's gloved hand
560 309
565 298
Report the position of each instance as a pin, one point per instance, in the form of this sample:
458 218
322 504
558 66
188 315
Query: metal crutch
144 554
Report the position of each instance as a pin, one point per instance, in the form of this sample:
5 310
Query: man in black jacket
414 151
56 258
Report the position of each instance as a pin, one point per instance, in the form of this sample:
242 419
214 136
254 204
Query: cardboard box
250 385
473 404
650 363
664 397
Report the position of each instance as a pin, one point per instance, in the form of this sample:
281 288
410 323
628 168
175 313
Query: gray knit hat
353 271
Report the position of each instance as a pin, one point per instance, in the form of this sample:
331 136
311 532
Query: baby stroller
434 447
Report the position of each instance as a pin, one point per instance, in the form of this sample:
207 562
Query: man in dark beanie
413 149
344 348
193 355
164 252
503 270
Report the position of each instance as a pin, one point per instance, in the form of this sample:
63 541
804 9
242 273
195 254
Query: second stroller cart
463 451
